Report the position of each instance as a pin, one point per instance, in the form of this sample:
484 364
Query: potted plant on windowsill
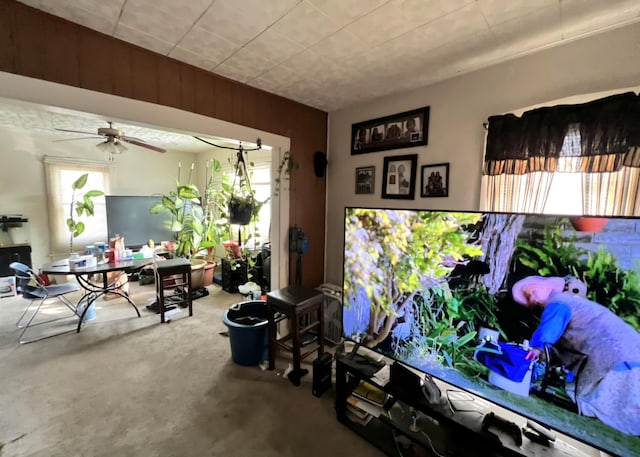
80 205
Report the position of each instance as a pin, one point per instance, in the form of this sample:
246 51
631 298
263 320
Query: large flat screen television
129 216
536 313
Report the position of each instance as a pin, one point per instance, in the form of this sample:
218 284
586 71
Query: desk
95 290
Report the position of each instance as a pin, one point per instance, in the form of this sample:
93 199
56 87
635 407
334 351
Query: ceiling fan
113 139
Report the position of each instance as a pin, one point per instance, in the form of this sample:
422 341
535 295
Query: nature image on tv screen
535 313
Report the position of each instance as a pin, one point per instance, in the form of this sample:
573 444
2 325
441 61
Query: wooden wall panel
29 30
8 58
188 87
170 93
224 100
121 55
205 94
36 44
61 40
96 65
143 75
238 98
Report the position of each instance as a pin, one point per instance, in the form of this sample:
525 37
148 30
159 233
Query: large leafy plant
556 254
394 255
187 217
81 205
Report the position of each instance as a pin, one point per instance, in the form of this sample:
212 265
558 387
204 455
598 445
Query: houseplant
81 204
285 169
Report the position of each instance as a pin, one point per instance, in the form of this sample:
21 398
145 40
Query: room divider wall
42 46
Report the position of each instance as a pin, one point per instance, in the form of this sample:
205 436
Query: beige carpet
128 386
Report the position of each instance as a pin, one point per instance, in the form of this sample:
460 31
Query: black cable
239 148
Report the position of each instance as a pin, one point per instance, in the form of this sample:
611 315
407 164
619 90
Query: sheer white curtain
526 193
60 173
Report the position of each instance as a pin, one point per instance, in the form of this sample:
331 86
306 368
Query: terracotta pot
208 273
589 224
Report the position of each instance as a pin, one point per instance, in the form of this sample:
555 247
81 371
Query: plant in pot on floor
188 224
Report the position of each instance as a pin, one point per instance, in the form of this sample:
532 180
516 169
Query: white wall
138 171
459 107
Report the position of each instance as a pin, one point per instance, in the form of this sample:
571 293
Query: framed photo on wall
365 180
399 174
402 130
435 180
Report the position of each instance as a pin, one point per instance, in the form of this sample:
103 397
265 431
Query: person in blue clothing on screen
608 386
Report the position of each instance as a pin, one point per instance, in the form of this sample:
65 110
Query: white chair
33 288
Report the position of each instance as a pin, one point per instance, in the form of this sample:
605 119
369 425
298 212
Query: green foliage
553 255
215 205
81 205
285 169
187 217
392 255
444 335
607 282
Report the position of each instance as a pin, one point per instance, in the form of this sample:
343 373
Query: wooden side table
303 307
180 269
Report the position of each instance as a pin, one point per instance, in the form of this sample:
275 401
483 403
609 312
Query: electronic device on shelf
429 300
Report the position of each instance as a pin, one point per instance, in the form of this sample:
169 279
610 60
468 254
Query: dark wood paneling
205 93
250 110
30 37
96 65
170 93
61 40
264 120
7 38
143 75
40 45
122 71
224 100
238 95
188 87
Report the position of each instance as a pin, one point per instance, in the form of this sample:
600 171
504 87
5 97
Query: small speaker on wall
319 163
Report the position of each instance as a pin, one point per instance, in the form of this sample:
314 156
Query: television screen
129 216
539 314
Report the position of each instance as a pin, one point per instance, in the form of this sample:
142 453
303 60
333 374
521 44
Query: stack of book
365 402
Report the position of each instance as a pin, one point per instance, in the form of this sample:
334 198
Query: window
565 159
61 174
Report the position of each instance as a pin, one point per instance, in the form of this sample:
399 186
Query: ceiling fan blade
73 139
142 144
75 131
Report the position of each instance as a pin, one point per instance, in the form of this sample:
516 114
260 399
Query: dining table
107 282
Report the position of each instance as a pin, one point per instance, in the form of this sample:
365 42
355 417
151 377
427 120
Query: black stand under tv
413 425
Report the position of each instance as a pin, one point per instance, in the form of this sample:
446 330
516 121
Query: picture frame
402 130
434 180
399 175
365 180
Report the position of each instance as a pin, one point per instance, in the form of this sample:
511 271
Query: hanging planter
241 209
588 224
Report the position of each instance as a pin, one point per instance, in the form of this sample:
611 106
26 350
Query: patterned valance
609 131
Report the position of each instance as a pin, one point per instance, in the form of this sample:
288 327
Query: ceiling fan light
104 146
118 147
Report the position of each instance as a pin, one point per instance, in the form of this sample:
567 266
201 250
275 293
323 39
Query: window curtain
523 153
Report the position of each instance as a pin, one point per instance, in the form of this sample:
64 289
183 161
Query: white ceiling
42 120
333 53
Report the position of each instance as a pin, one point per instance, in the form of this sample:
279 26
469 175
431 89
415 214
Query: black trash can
248 335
